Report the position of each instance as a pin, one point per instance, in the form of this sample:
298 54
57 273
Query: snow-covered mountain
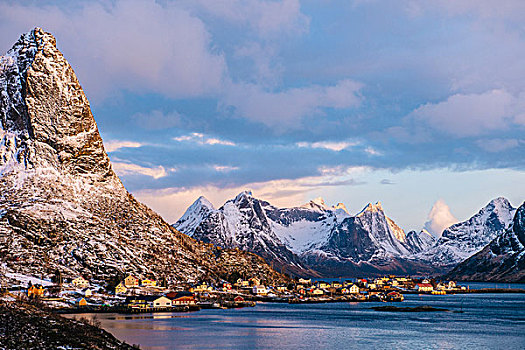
502 260
464 239
61 205
244 222
305 238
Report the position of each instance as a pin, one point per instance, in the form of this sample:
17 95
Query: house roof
176 295
424 285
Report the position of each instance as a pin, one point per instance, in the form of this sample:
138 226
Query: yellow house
305 281
120 289
203 288
323 285
317 291
336 285
395 283
81 302
35 291
80 282
131 281
148 283
424 287
282 289
242 283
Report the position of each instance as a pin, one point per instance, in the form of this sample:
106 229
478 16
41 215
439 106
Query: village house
238 299
87 292
322 285
451 285
336 284
136 302
120 289
148 283
203 287
259 290
281 289
316 291
305 281
147 301
242 283
424 287
394 283
80 282
131 281
80 302
35 290
343 290
226 287
161 301
181 298
354 289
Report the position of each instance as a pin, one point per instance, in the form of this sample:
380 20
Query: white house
353 289
259 290
80 282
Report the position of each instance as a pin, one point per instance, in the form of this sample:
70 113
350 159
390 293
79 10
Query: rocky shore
25 326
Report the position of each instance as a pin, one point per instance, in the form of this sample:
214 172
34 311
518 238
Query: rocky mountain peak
341 206
372 208
46 118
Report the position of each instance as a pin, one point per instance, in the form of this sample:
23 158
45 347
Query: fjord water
488 321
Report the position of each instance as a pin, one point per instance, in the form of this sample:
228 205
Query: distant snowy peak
496 216
340 206
502 260
373 208
462 240
316 204
198 211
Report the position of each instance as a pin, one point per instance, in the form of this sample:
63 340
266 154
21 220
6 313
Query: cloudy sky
417 104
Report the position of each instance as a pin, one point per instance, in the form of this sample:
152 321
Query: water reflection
488 321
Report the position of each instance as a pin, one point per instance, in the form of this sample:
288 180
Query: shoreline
182 309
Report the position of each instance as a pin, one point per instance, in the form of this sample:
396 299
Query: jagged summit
377 207
46 118
341 206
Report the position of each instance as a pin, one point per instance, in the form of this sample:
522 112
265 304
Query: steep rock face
418 242
502 260
464 239
61 205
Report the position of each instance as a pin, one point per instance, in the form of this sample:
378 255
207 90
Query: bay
487 321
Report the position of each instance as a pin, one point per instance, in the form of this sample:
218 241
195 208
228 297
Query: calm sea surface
488 321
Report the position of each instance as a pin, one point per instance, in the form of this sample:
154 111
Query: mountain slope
61 205
502 260
464 239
